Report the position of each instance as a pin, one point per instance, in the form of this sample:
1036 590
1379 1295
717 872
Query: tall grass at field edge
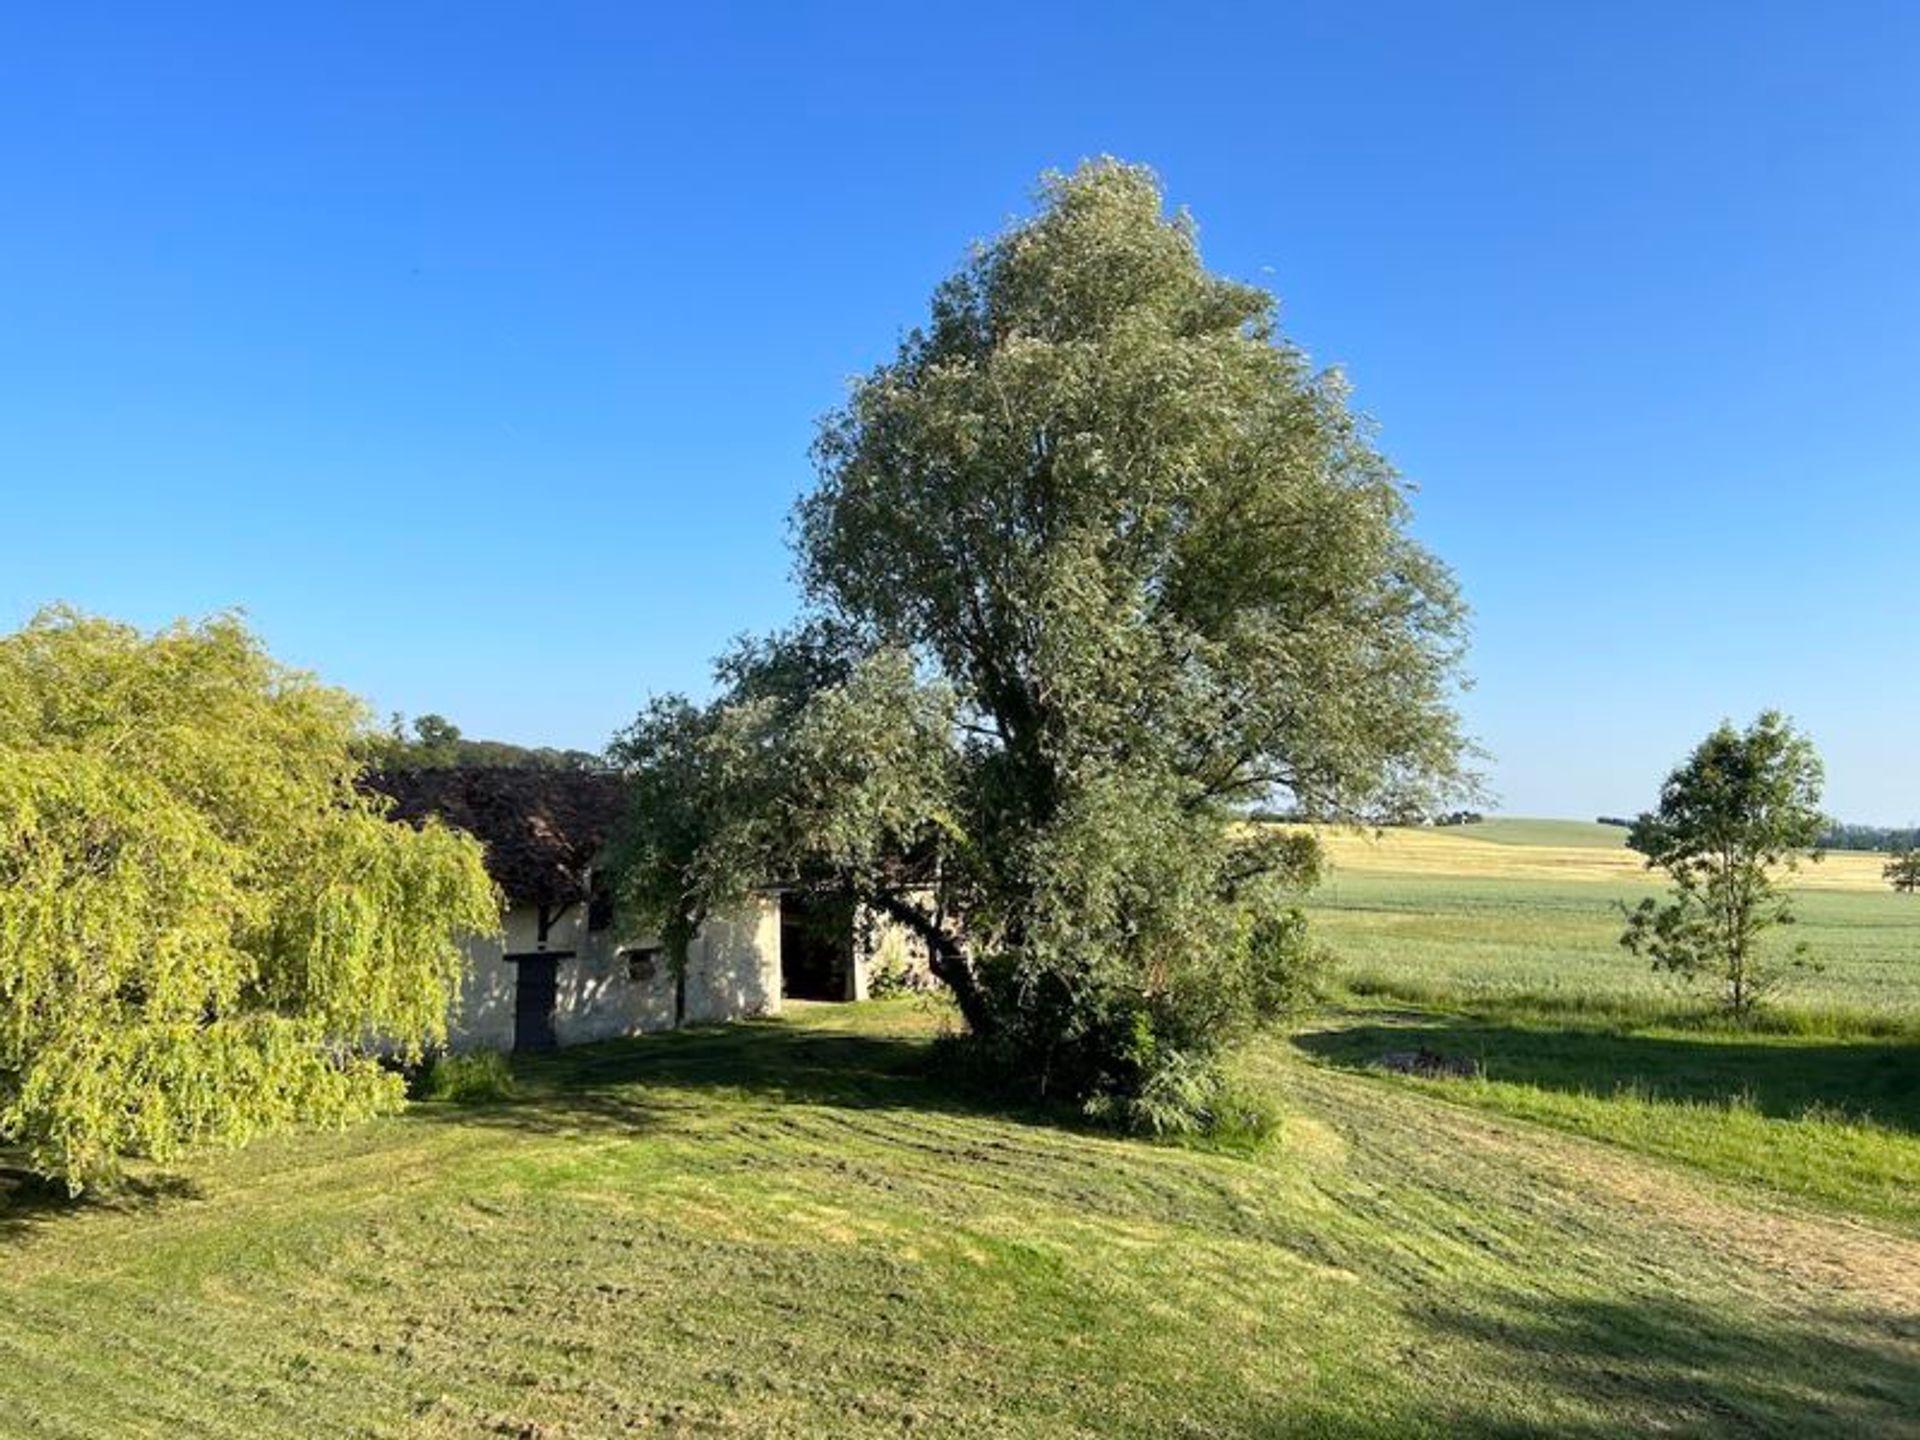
1552 1006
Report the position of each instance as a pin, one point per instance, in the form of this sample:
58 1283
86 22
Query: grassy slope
1509 957
789 1229
1831 1122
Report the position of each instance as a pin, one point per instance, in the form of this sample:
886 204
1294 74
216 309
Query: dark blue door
533 1002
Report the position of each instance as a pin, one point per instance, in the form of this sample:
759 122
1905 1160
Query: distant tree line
1893 840
1869 837
433 742
1268 815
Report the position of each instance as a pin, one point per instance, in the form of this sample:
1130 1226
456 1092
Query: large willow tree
1098 561
203 920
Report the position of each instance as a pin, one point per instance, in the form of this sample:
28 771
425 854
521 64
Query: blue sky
475 350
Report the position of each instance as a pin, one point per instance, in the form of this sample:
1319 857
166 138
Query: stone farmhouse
567 971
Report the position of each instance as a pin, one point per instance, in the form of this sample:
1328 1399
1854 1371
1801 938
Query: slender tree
1096 563
1733 821
202 917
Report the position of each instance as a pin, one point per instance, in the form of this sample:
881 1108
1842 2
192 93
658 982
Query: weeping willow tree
203 920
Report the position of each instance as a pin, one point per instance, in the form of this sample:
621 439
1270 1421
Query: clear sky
475 350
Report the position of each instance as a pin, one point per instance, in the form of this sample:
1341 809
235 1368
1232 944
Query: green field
1517 909
1449 943
1488 937
1516 830
1632 1220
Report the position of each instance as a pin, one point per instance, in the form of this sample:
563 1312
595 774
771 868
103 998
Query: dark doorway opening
536 987
816 947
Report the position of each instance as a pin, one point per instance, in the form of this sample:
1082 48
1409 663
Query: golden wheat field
1572 850
1514 906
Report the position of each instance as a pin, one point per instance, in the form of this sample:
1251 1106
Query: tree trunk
678 940
949 960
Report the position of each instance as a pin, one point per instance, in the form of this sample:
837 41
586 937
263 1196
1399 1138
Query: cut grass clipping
795 1229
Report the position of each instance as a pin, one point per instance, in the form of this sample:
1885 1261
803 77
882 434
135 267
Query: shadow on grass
627 1083
1779 1076
1687 1369
28 1201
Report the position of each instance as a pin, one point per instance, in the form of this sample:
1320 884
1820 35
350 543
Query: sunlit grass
1830 1117
798 1229
1507 954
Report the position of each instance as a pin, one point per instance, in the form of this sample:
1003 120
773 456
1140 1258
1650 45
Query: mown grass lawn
795 1229
1831 1122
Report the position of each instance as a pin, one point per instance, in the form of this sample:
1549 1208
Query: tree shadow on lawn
1695 1370
1780 1077
627 1083
28 1201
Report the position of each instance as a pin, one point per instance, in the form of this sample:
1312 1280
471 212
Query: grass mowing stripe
794 1230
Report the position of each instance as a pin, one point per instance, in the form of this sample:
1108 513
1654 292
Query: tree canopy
203 919
1095 563
1903 871
1732 822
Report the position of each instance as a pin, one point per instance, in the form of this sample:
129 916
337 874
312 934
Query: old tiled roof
541 827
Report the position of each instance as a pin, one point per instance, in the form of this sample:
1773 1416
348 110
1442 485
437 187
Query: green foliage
1188 1094
1097 563
1738 813
665 853
816 769
1903 871
475 1077
1286 973
201 916
888 978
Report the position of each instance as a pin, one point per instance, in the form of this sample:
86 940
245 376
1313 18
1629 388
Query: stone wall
612 987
